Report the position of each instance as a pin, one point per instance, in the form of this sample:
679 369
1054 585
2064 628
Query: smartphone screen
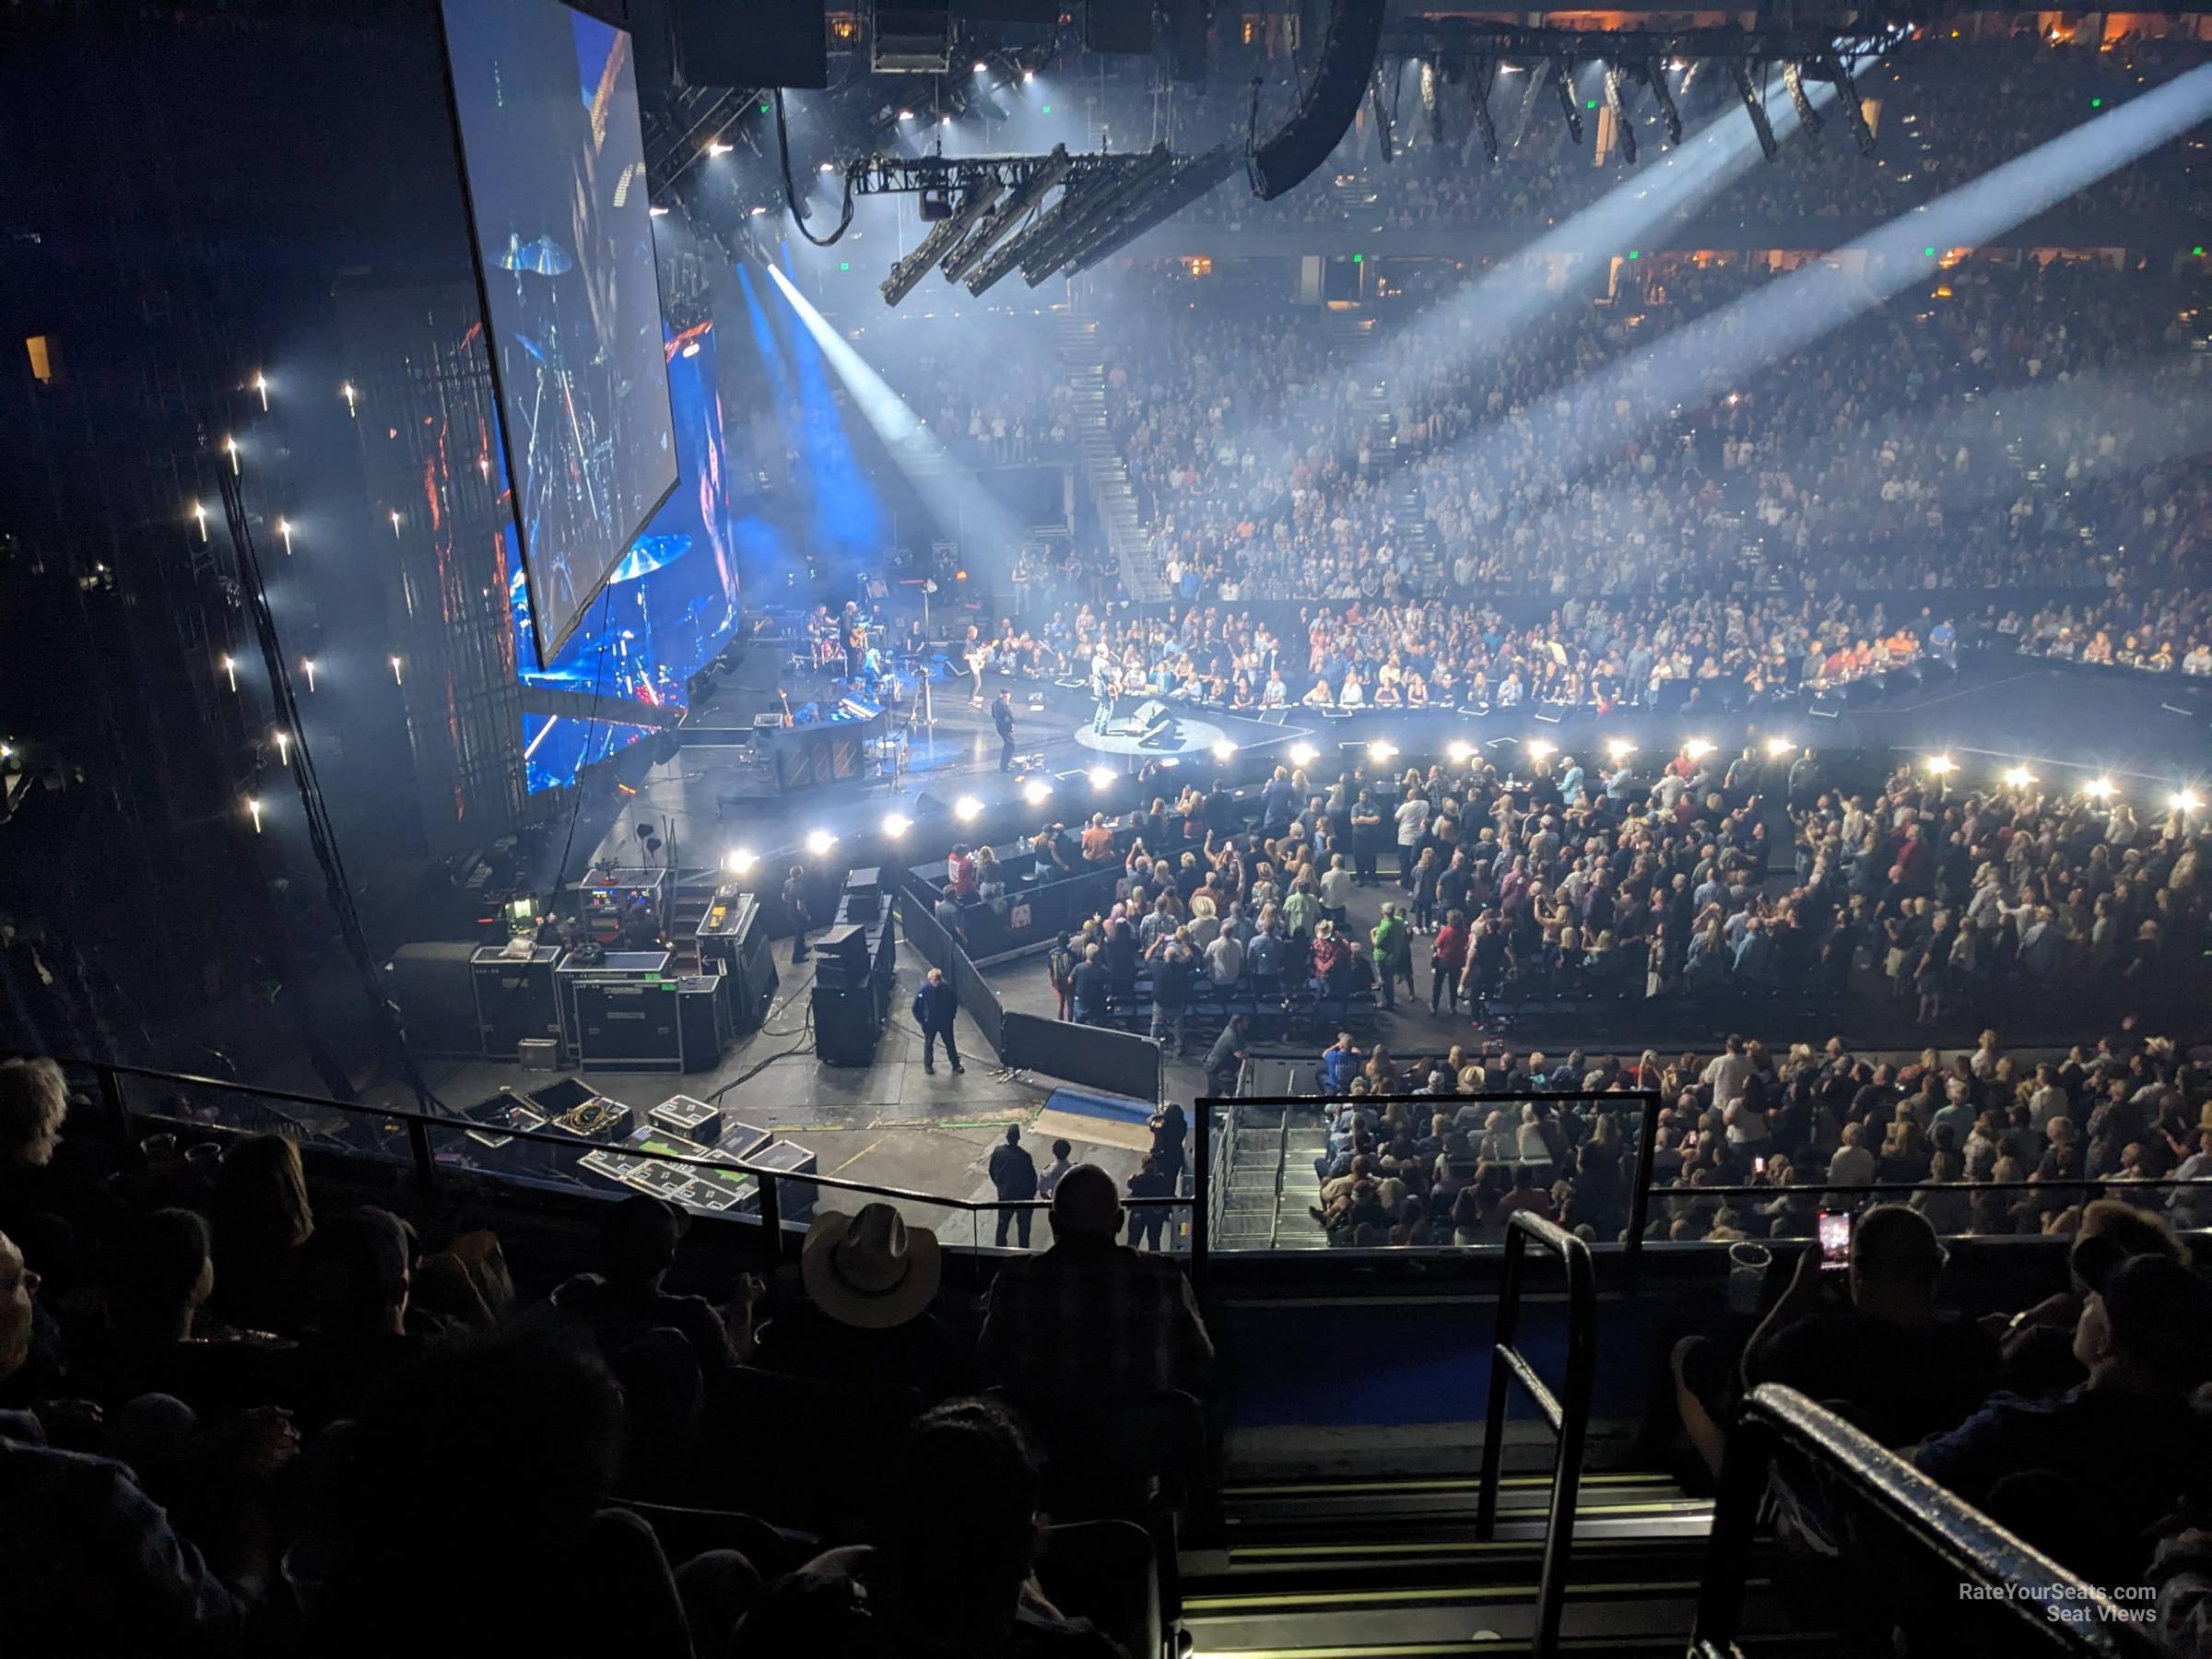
1835 1240
1758 1166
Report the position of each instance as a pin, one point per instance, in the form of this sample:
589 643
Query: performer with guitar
975 653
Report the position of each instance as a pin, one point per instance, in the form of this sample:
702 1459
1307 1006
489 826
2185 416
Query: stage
2149 733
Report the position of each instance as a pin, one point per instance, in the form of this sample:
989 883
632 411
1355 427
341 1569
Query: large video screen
668 607
545 100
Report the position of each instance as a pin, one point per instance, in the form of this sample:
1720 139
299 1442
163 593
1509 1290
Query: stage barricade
941 950
1088 1056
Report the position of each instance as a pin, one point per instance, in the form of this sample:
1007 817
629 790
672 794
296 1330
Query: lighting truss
1538 74
1654 76
1623 130
1793 80
1008 213
1755 107
1192 178
1092 213
942 236
1480 74
1833 68
1562 82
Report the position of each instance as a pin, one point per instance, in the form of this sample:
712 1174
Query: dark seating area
227 1389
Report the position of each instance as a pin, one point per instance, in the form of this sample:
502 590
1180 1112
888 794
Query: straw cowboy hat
870 1269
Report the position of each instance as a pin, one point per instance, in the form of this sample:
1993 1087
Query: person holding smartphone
1844 1336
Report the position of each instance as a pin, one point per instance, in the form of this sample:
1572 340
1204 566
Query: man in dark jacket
1014 1178
1002 718
936 1010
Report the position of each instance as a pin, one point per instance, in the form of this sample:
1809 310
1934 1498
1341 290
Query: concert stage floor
2149 734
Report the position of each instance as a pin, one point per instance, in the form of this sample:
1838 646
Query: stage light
1696 748
739 860
230 669
1541 749
231 449
896 824
346 388
1101 777
395 524
1779 746
1380 752
284 528
656 212
1941 765
261 385
2183 800
1224 749
967 810
829 167
284 746
308 664
981 65
396 678
906 114
253 811
1027 76
2019 777
2103 789
1303 754
1621 749
1457 751
819 842
1036 792
199 517
715 146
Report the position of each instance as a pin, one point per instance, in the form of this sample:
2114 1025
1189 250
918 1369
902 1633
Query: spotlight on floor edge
1224 749
1102 777
896 824
739 861
819 842
1303 754
1036 792
967 810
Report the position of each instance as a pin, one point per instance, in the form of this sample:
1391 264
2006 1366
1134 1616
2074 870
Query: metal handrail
1958 1537
1569 1418
1282 1160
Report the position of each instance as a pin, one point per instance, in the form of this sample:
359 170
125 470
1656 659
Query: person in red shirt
1447 960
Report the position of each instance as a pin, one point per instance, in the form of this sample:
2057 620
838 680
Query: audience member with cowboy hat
870 1279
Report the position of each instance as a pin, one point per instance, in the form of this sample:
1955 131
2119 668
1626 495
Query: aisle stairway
1270 1184
1389 470
1334 1570
1081 359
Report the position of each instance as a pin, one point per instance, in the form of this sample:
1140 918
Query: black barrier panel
938 949
1086 1055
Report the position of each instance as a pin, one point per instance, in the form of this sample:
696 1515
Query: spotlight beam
1709 353
951 489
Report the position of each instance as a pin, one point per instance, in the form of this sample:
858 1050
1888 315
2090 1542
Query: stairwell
1127 537
1390 468
1270 1184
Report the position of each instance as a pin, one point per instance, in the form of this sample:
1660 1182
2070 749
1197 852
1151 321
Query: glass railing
563 1138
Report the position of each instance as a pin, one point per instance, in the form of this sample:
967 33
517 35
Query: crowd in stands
1751 1144
2007 424
235 1421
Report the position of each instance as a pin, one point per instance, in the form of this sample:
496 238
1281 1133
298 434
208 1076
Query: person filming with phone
1858 1330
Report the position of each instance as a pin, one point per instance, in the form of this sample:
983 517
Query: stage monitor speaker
1332 100
433 985
844 957
1118 26
845 1027
757 43
1825 705
703 1030
863 896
